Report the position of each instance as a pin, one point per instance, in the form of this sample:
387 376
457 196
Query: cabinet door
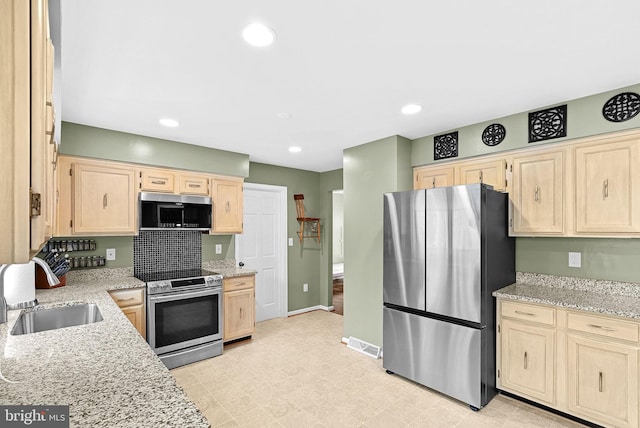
239 314
227 205
135 314
538 193
492 173
193 185
429 177
527 360
608 187
156 180
104 200
603 381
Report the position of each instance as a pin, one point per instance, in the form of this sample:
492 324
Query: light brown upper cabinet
226 193
537 194
491 172
608 187
427 177
104 200
26 130
157 180
193 184
95 198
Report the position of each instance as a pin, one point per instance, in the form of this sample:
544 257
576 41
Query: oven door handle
178 295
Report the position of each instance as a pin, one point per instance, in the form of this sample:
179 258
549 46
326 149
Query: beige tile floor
296 373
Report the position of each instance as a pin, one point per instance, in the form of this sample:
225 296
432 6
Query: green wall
369 171
610 259
87 141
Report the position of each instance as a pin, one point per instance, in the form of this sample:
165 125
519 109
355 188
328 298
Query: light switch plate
575 260
111 253
218 248
291 242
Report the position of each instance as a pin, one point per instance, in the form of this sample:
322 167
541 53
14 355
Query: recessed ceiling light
411 109
171 123
258 35
284 115
295 149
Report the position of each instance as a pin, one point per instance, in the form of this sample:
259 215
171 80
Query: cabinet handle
158 182
529 314
240 312
536 195
600 381
605 189
193 185
602 327
480 177
240 283
227 207
433 182
525 360
126 300
105 201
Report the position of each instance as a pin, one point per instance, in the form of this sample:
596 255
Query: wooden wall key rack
309 226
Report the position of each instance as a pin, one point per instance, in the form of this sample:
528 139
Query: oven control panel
174 285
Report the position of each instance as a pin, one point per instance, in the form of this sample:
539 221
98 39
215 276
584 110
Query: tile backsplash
166 250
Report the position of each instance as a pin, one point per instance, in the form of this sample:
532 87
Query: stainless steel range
184 315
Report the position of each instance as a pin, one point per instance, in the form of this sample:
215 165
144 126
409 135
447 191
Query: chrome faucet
51 278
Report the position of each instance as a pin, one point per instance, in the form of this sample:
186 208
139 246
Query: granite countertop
605 297
227 268
104 371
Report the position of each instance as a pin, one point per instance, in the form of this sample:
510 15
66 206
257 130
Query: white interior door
262 246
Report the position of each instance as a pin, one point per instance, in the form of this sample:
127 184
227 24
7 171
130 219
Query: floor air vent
363 347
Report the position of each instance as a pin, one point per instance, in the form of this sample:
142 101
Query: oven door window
182 320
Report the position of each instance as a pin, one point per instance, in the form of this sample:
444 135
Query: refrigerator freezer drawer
440 355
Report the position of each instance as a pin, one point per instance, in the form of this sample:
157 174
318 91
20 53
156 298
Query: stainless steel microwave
162 211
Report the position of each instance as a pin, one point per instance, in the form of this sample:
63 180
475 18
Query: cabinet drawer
125 298
193 185
524 311
608 327
238 282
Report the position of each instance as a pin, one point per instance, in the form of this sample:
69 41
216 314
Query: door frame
281 241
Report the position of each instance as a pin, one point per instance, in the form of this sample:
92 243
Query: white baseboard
310 309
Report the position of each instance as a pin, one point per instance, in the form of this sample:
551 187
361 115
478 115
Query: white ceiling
341 68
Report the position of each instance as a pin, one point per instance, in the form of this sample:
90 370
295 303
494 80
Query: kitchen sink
55 318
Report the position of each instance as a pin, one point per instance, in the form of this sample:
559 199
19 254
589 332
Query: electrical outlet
291 242
218 248
575 260
111 253
305 287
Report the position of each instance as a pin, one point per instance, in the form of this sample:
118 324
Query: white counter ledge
104 371
606 297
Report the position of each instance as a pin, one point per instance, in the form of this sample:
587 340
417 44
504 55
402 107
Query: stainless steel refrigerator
445 251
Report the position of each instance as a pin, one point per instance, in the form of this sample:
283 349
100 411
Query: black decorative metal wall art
548 123
493 134
445 146
621 107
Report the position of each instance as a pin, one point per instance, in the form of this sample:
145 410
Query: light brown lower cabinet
132 305
239 307
581 363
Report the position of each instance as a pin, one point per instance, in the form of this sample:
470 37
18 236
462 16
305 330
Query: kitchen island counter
605 297
104 371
